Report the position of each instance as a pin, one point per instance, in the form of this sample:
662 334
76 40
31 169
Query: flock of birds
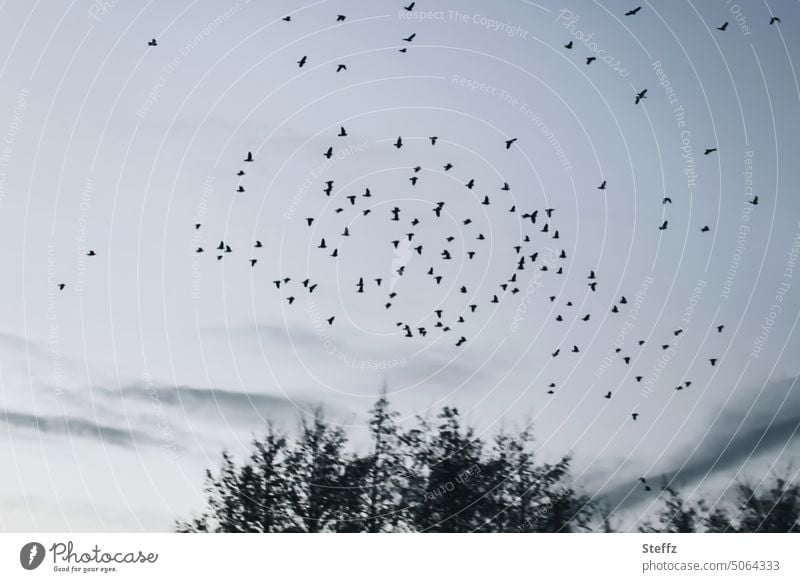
523 257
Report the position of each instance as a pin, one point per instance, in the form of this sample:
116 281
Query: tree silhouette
439 476
433 477
771 508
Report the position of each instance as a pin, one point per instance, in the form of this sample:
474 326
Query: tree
429 478
677 516
773 507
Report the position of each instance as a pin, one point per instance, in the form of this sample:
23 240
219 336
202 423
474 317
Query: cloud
75 427
740 434
212 401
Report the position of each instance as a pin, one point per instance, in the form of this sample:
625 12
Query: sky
118 391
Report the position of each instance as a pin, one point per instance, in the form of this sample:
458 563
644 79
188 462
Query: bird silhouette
302 61
249 157
723 27
153 42
641 95
709 151
774 19
568 45
590 60
410 38
510 142
633 12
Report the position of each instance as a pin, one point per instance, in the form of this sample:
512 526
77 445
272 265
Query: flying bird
633 12
641 95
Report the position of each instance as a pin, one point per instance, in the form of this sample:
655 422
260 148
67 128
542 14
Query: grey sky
153 358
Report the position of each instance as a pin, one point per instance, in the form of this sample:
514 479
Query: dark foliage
440 477
770 508
435 477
